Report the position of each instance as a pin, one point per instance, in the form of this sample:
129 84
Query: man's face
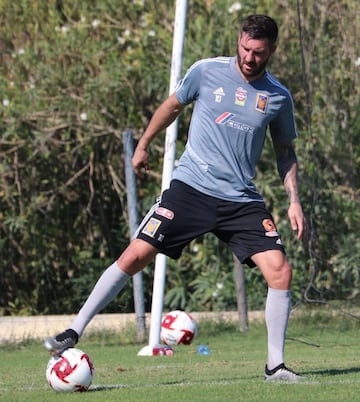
253 56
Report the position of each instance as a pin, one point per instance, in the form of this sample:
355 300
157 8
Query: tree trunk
132 203
239 274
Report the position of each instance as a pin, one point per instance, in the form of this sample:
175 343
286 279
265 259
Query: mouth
249 66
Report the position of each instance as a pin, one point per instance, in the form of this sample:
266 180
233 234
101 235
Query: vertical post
132 202
239 274
169 159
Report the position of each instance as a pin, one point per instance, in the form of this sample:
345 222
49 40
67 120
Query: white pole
168 166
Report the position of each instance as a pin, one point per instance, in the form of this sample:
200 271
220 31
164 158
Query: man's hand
297 220
164 115
140 160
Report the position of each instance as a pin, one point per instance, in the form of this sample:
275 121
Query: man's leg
111 282
277 273
277 313
106 289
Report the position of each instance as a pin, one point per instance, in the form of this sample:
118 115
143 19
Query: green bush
75 74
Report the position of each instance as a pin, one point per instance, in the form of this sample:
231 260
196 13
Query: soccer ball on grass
70 371
177 327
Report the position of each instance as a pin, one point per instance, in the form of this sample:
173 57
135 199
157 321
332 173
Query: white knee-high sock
277 313
107 288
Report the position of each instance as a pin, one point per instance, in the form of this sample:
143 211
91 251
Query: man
212 189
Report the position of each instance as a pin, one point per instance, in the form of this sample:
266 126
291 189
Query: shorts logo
151 227
261 102
166 213
270 228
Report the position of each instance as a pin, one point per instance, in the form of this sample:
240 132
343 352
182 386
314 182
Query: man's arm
162 118
288 170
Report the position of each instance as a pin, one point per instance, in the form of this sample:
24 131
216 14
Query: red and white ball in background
178 327
162 350
70 371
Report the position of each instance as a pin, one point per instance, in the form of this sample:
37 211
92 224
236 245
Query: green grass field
322 347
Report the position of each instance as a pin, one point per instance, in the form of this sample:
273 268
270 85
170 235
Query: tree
75 74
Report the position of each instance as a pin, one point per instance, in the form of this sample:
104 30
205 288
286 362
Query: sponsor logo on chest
240 96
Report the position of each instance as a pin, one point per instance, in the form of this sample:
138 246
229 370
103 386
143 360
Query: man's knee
280 276
136 256
275 269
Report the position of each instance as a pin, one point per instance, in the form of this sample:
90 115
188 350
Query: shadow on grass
109 387
334 372
327 372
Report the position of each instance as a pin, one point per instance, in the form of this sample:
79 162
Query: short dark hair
261 27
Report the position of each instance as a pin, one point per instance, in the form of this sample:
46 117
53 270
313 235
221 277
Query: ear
273 49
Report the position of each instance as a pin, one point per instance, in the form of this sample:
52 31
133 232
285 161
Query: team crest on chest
262 101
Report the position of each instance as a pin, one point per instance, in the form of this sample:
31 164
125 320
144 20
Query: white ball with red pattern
70 371
178 327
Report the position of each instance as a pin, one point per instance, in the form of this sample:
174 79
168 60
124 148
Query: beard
251 70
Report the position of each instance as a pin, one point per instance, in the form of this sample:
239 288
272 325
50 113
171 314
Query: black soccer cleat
64 340
282 373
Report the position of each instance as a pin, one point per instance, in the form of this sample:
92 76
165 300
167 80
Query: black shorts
184 214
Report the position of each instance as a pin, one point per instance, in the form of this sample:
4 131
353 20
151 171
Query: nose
249 57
